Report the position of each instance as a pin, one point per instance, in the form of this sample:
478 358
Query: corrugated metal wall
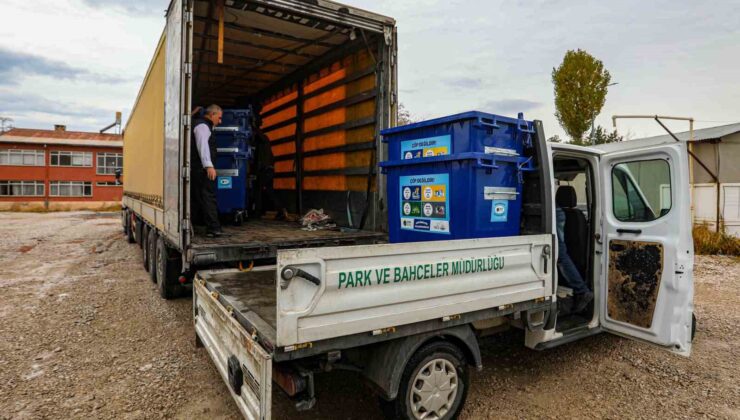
336 126
143 137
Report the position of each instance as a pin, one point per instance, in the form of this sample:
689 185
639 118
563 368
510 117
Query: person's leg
281 213
210 206
572 278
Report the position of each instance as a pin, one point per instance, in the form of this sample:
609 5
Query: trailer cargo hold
324 78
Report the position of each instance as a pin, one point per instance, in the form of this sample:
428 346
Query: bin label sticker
428 147
425 203
499 210
224 183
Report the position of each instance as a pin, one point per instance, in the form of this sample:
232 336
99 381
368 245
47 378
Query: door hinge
188 69
186 120
185 173
388 34
188 16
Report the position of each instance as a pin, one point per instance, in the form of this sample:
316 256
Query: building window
21 188
108 184
109 162
17 157
70 189
71 158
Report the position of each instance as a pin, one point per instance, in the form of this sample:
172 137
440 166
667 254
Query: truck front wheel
168 270
434 384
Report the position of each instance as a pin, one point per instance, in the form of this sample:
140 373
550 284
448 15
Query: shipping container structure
325 77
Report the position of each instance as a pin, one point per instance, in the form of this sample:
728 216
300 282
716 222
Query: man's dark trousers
204 194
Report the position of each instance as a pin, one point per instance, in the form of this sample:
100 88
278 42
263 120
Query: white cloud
669 57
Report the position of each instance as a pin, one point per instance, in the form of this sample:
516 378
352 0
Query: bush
708 242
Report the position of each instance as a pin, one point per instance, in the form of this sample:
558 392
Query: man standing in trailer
202 171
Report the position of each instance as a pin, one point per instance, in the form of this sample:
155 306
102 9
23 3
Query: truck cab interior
322 92
574 196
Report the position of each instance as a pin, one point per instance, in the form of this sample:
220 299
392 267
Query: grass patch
708 242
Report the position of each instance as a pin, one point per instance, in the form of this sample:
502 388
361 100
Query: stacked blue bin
456 177
234 145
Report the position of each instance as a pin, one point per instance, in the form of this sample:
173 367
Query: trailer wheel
130 229
151 245
124 221
145 247
168 270
434 384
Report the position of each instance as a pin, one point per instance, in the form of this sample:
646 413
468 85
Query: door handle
632 231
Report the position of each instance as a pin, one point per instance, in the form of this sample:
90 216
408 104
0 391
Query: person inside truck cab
203 172
565 198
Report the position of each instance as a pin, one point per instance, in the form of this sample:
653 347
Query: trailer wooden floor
282 234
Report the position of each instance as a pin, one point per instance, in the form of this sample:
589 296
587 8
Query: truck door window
641 190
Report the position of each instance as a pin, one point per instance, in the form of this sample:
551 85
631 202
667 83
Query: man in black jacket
202 169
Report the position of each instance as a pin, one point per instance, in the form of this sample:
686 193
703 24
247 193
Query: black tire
168 270
439 351
151 245
131 229
139 232
144 246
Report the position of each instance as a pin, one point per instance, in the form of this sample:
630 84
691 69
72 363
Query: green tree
600 136
555 139
580 84
404 116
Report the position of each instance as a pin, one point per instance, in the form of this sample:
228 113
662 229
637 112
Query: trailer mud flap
244 365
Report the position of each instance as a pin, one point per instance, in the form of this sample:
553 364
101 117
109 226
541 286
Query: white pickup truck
407 316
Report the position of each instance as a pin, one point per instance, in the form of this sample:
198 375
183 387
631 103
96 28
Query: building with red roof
59 169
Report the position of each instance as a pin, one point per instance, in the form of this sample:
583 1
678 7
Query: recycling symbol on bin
428 193
499 210
406 209
428 210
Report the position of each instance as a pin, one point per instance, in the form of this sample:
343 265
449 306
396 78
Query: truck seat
576 227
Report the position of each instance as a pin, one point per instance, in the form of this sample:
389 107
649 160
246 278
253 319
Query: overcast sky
79 61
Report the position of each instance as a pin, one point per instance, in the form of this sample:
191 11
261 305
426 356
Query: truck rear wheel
144 247
168 270
434 384
130 227
151 246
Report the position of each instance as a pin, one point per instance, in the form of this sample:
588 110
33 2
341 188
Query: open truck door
647 285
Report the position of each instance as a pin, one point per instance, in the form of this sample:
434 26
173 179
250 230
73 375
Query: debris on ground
86 335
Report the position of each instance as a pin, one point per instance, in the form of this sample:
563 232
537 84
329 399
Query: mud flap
244 365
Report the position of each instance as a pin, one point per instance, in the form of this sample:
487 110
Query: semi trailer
274 304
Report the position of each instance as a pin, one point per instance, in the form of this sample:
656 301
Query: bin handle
491 165
483 123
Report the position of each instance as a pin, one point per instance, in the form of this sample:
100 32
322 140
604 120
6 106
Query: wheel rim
434 389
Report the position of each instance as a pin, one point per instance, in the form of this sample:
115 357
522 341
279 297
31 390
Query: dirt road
83 334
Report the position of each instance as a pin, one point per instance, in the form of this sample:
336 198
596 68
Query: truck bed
262 238
362 294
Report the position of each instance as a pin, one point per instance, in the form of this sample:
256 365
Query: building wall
48 173
721 157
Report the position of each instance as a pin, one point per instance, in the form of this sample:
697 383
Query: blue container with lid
472 131
234 151
462 196
456 177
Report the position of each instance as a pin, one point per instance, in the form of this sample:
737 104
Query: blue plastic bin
461 196
472 131
234 147
241 118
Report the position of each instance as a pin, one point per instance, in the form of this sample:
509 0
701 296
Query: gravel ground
83 334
